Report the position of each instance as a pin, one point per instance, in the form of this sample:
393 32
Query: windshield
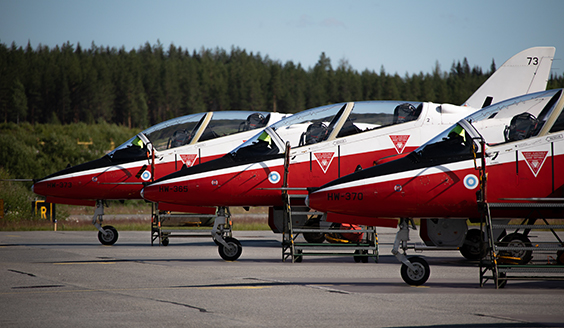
188 129
334 121
451 143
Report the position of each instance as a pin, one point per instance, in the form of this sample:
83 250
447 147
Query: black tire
361 258
472 249
232 251
356 257
517 240
312 237
165 241
417 277
110 237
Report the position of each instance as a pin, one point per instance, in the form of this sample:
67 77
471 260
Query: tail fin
526 72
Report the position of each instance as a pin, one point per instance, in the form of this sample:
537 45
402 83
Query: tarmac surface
68 279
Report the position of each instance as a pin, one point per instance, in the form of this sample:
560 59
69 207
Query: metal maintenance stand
361 250
512 258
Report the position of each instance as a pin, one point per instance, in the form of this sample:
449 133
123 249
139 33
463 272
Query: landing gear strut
415 270
230 249
107 235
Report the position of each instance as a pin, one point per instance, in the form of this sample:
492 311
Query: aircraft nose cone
314 201
150 193
38 188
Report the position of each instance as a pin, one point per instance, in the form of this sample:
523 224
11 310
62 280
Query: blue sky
404 36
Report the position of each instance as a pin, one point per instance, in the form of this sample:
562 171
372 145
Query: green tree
319 82
19 101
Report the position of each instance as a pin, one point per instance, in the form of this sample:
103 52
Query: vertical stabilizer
526 72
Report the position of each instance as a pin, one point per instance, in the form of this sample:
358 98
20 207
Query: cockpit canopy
191 129
505 122
327 123
519 118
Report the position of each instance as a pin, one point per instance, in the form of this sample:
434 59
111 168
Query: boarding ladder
295 249
506 260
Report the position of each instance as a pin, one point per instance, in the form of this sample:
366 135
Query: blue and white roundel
146 176
471 181
274 177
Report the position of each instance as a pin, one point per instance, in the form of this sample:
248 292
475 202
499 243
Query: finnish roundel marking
274 177
471 181
146 176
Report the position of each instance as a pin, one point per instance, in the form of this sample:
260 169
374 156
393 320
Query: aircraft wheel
312 237
417 277
165 241
110 237
232 251
472 248
516 240
356 257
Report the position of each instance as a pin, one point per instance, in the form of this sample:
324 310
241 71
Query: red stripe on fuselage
114 182
251 186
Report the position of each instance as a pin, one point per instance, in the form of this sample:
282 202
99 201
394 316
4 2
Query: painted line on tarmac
73 263
24 290
233 287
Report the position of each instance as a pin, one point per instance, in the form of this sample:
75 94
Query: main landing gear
414 270
107 235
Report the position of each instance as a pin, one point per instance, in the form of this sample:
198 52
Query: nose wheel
417 276
229 248
109 237
232 250
414 270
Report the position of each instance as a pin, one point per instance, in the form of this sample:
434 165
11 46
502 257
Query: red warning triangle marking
188 159
399 142
324 160
535 160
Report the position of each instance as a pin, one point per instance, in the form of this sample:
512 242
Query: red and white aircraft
151 154
334 140
521 143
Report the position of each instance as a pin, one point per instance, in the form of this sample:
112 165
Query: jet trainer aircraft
151 154
521 144
334 140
